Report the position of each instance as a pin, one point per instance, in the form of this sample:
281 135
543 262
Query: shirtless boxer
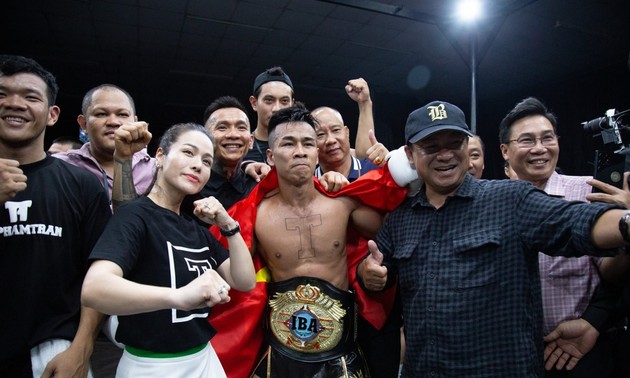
301 234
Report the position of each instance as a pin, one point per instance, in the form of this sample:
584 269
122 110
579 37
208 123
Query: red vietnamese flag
240 323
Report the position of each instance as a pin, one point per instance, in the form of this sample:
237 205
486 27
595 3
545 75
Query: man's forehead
106 97
474 143
225 114
27 80
328 117
295 127
534 122
275 89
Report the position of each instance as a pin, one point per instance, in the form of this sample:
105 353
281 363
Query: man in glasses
529 142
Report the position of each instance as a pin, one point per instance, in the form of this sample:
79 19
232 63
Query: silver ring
222 290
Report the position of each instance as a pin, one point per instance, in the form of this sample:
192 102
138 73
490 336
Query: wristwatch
233 231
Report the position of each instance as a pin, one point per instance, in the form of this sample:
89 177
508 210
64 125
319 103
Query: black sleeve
601 312
121 241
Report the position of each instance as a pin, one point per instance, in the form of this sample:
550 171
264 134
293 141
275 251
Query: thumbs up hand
371 270
377 152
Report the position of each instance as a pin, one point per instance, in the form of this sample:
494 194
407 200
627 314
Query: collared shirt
567 283
357 168
142 168
468 275
228 191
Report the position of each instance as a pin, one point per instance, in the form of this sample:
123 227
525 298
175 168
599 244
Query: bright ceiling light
469 10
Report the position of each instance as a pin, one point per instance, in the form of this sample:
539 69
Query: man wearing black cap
465 252
273 90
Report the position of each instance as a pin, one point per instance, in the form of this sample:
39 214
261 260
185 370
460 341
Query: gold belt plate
306 320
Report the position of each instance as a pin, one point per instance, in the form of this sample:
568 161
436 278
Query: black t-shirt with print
155 246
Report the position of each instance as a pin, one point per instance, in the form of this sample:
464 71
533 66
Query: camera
613 159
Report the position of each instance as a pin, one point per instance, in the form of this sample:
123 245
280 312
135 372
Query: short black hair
223 102
76 144
15 64
527 107
483 145
295 113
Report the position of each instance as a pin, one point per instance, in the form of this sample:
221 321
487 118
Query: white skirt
202 364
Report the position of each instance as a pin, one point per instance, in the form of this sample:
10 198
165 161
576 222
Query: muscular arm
74 361
359 91
129 139
366 220
238 270
123 188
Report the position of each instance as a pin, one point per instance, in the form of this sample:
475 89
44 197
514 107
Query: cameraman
529 142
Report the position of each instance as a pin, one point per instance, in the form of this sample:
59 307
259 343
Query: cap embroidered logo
437 112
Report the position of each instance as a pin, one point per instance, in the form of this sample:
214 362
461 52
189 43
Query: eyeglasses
527 141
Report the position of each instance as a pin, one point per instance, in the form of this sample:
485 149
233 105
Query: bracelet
623 227
234 231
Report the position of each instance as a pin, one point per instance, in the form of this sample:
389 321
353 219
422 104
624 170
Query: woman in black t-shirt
162 272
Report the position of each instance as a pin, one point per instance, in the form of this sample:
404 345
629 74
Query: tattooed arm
129 139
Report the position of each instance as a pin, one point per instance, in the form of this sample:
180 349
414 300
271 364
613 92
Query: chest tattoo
304 225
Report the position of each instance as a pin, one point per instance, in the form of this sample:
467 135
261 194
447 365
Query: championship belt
310 320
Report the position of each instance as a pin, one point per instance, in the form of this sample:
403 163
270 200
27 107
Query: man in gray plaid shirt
465 253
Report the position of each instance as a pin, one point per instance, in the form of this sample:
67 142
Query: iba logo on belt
306 320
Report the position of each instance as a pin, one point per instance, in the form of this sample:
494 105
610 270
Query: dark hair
174 132
483 145
14 64
271 74
295 113
223 102
87 99
68 140
527 107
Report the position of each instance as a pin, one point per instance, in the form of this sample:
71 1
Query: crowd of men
444 274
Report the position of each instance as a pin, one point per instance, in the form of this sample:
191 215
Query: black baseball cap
272 74
433 117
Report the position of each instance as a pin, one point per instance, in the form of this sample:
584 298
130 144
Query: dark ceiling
175 57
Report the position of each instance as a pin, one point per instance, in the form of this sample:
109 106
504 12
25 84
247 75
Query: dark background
175 57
